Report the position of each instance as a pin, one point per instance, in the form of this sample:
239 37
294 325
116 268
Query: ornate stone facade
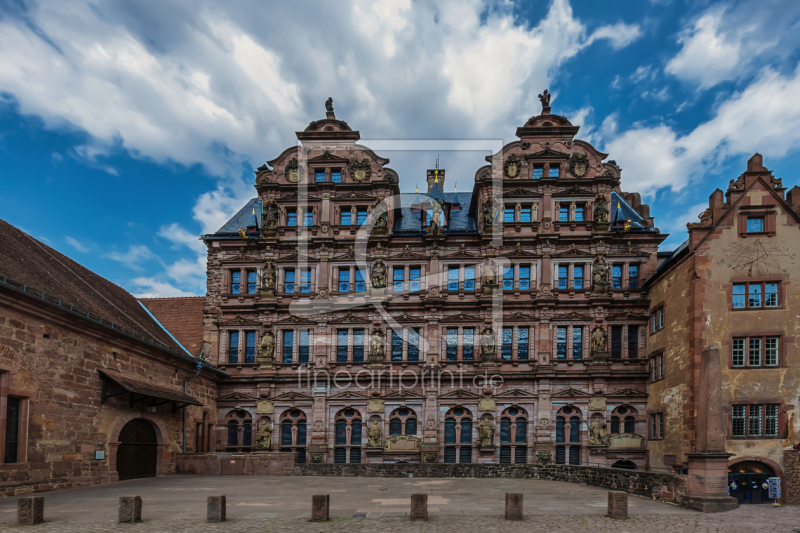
429 315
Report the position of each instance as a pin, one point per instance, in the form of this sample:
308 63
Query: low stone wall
791 476
235 464
658 486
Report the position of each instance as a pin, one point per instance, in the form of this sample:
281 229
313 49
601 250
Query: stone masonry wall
653 485
243 464
791 472
51 359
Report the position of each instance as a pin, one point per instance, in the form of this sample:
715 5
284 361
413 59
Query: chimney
793 197
756 163
432 175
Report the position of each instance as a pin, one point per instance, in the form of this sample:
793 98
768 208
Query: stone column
708 465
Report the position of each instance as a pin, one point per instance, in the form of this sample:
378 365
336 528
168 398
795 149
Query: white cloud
764 118
675 225
157 289
76 244
620 35
643 73
132 258
176 234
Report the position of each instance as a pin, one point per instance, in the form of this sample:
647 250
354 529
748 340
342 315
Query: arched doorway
624 463
137 453
747 479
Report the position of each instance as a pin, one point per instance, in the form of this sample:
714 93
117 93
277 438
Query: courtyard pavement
261 503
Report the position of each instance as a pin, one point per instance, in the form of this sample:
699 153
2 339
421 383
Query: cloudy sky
127 129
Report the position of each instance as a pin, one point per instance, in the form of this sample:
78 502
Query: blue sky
127 129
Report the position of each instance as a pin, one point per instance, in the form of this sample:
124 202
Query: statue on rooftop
329 104
545 98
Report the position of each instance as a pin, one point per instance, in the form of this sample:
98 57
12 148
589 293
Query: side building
91 386
359 324
733 285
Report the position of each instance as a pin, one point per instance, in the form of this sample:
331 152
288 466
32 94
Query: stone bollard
216 511
617 504
130 509
30 511
513 506
320 507
419 507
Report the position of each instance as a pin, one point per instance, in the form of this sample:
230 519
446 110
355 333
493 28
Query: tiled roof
183 317
29 262
142 387
242 219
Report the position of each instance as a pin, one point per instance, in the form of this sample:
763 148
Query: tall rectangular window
233 347
13 416
452 344
754 352
633 342
361 216
252 279
469 278
358 347
574 455
288 346
291 217
305 281
755 224
308 218
452 278
508 278
770 420
770 295
525 214
563 276
413 344
737 354
577 342
413 279
250 347
398 279
738 419
771 351
305 346
507 346
657 426
616 342
579 213
522 344
288 285
754 295
344 280
738 295
524 278
561 343
554 171
397 345
467 344
336 176
236 282
346 217
319 176
538 172
508 214
633 276
563 214
754 421
361 285
577 276
616 276
341 345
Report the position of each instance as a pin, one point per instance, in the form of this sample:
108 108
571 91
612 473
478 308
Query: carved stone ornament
293 171
597 403
579 165
487 404
264 407
360 170
375 406
431 457
379 275
512 166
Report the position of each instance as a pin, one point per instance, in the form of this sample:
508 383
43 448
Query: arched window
395 427
348 422
560 429
614 425
301 432
623 420
522 431
403 421
630 424
575 429
240 430
411 426
286 433
505 430
513 430
294 432
458 430
568 448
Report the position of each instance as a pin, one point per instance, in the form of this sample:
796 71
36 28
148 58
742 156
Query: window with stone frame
397 345
453 272
657 319
568 436
525 213
458 432
236 282
403 421
754 295
757 420
345 217
657 426
233 347
657 367
336 175
288 281
13 447
756 351
633 342
616 342
469 278
348 431
291 217
319 175
250 347
623 420
398 278
252 281
523 345
414 274
294 433
514 431
239 426
524 282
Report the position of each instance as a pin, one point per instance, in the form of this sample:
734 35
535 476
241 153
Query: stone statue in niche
266 348
264 436
269 220
487 341
268 277
599 338
597 433
377 344
485 433
436 218
489 277
375 435
379 275
599 276
489 215
601 212
380 222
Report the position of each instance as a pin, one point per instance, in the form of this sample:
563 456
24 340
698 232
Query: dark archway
137 453
623 463
746 481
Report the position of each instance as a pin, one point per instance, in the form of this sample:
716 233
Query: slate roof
626 212
241 219
410 221
183 317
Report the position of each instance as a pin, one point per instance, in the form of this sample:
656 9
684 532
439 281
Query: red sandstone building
733 286
534 276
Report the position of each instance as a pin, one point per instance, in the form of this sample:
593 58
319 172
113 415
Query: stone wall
50 359
653 485
226 464
791 476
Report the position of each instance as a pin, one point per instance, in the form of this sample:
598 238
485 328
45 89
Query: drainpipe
199 366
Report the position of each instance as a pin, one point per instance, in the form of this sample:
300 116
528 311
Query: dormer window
538 171
346 218
319 176
554 171
563 214
308 218
755 224
336 176
525 213
508 214
578 213
361 216
291 217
